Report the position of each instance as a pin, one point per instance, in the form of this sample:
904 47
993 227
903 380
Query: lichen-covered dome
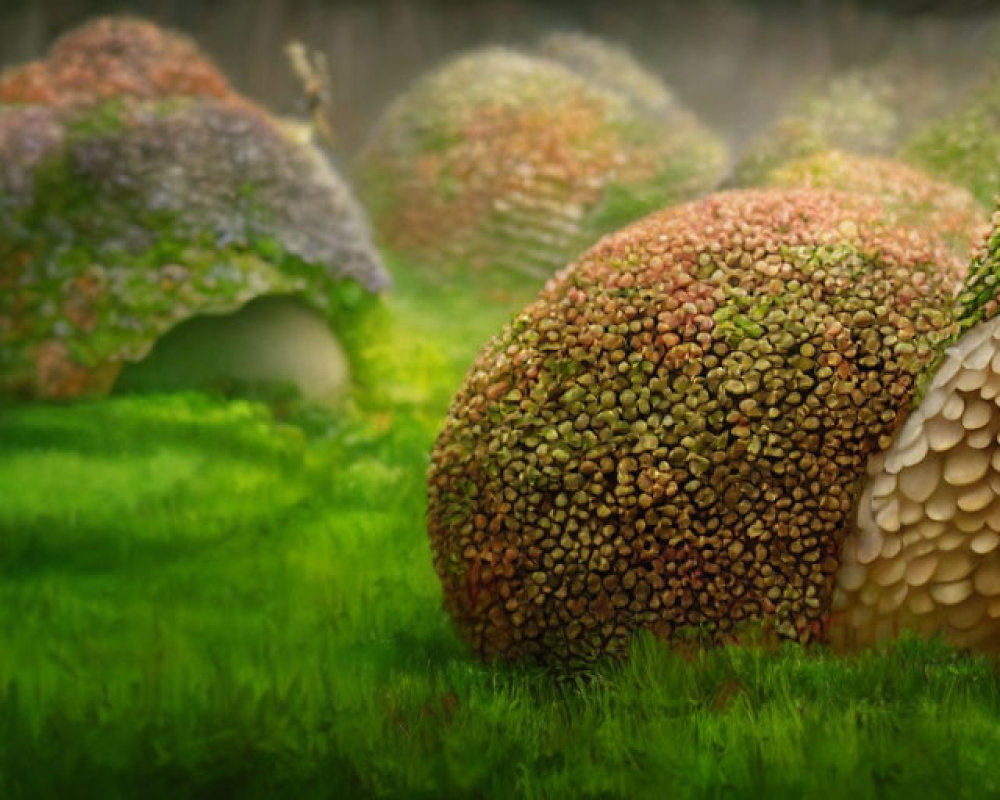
964 145
115 57
673 435
867 111
501 160
912 197
125 213
870 111
857 112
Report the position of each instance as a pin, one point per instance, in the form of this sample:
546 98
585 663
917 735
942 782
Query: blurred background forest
734 63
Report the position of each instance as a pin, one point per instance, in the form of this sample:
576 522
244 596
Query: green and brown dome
853 112
126 213
675 434
869 111
912 198
112 58
964 145
506 161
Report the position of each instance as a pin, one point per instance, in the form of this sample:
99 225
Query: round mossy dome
673 434
867 111
912 197
855 112
964 145
510 162
115 57
125 215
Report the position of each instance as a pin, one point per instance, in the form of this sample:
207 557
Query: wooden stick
313 73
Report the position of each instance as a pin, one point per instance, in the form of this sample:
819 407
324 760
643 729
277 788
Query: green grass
200 600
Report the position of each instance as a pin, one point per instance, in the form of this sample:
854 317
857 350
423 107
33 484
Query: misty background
733 62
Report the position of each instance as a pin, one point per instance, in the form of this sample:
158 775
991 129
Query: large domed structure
138 191
912 197
963 146
676 435
612 67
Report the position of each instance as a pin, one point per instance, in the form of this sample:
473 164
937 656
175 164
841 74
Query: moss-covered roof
124 214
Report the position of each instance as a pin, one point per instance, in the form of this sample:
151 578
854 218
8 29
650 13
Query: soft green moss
621 203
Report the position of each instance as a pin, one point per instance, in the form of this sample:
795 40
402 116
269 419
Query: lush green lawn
198 600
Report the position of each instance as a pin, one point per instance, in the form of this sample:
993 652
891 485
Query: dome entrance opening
269 342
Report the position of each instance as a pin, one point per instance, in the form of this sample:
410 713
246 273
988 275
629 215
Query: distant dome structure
852 112
503 161
116 58
138 191
868 111
911 196
963 146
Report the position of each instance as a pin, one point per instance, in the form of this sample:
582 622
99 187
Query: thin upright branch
313 73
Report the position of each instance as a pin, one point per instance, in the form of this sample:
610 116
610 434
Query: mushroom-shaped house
766 412
138 191
511 162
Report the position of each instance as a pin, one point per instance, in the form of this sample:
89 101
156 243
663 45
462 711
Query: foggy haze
733 63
